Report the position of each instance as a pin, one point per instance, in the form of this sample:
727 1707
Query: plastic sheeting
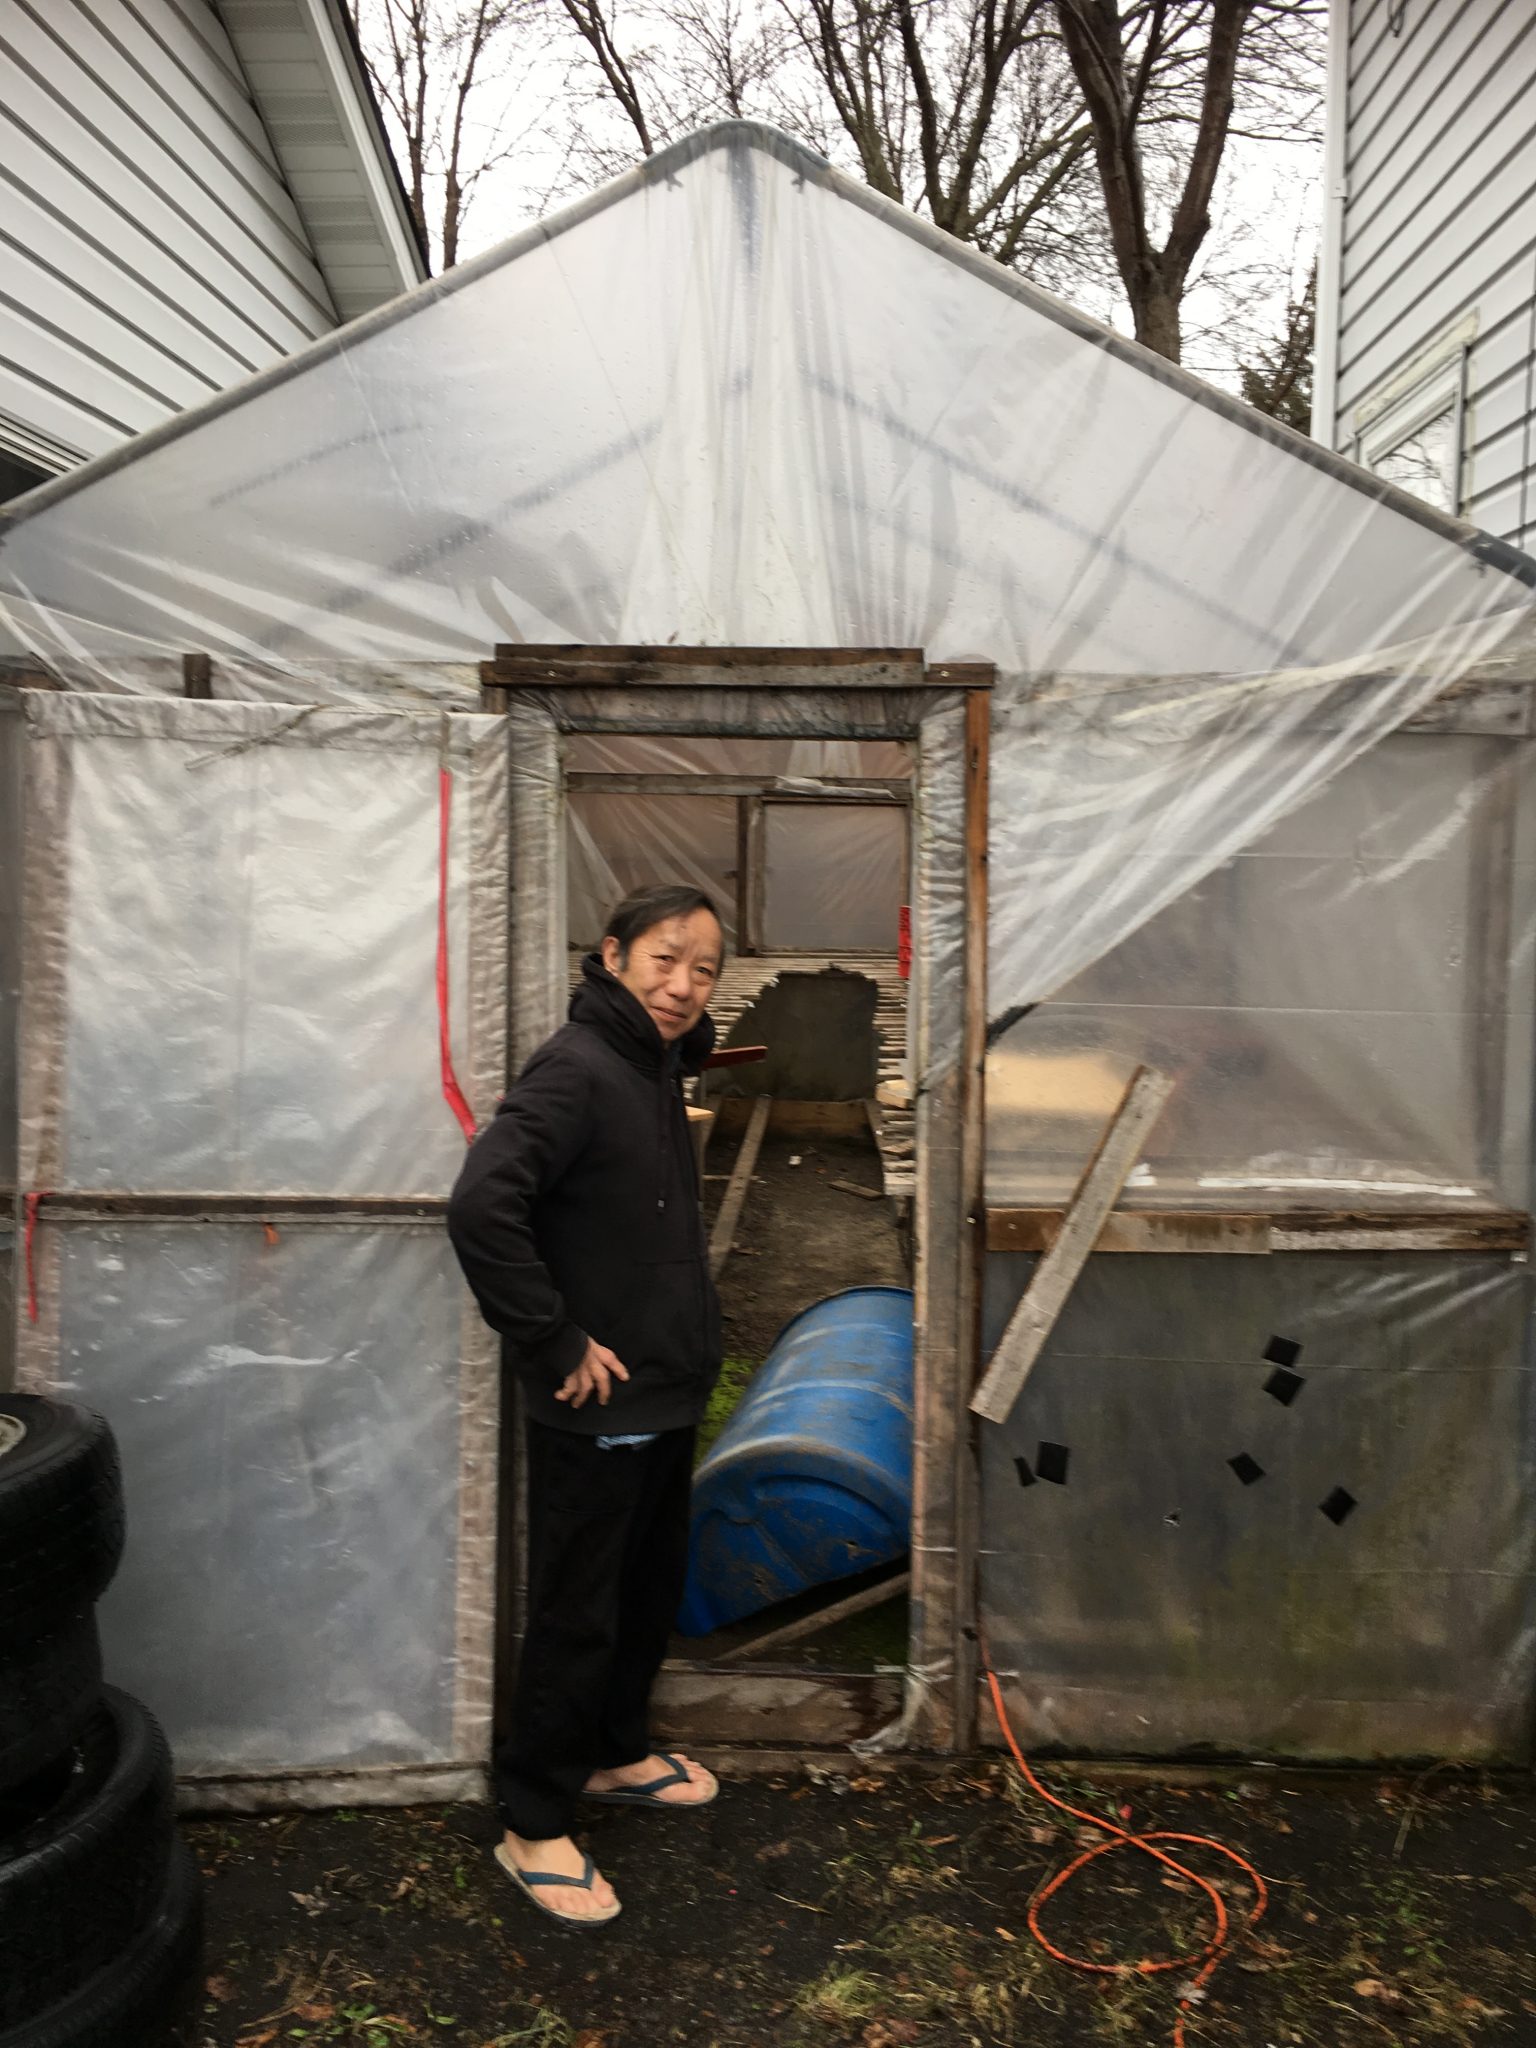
1348 1004
1156 1603
289 1418
834 877
229 963
737 399
252 920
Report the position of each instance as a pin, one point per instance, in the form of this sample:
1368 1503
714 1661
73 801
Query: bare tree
1172 80
429 60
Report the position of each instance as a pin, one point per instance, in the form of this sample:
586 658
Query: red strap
453 1094
33 1203
904 942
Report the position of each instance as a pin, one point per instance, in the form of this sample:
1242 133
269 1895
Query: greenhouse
736 525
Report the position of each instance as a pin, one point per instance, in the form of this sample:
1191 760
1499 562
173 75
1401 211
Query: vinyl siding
1439 227
151 252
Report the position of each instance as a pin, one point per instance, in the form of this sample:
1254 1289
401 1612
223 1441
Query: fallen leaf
773 1851
314 2012
938 1841
590 2037
1372 1987
1041 1834
1004 1933
220 1988
257 2040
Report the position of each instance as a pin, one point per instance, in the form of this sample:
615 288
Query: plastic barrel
811 1479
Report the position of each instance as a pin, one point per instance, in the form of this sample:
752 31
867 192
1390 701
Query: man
576 1220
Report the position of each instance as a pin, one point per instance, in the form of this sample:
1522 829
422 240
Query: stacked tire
100 1909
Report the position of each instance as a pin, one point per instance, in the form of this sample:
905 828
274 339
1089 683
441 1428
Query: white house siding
150 251
1434 239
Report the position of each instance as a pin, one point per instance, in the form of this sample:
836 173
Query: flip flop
646 1795
525 1880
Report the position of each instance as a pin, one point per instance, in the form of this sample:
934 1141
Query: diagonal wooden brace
1056 1275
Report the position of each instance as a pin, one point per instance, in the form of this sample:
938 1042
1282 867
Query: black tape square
1339 1506
1282 1351
1051 1463
1021 1466
1284 1386
1247 1469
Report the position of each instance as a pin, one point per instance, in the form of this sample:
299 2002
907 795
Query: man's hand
595 1375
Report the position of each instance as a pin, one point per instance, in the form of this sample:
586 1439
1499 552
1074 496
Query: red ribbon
453 1094
904 942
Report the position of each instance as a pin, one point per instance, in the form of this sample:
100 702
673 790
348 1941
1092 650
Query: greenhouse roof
736 398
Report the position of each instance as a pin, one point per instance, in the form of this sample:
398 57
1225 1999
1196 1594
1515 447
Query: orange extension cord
1208 1957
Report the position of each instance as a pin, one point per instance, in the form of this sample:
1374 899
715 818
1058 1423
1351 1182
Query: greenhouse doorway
759 773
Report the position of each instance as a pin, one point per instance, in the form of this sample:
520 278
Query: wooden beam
1260 1233
1097 1192
824 1617
197 676
843 789
694 668
724 1232
1133 1230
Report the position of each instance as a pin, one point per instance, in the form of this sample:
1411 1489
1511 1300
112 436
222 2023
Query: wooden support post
1097 1192
723 1235
824 1617
197 675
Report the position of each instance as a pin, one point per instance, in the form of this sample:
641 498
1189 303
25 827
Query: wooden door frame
835 693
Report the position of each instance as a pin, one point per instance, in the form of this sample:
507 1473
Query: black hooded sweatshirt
577 1215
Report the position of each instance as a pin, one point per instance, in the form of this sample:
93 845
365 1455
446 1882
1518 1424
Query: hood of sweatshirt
602 1001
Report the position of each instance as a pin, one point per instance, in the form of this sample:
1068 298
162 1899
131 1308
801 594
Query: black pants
607 1558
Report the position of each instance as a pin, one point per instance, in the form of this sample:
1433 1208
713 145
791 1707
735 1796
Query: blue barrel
811 1478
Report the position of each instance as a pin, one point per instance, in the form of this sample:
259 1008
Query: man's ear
611 950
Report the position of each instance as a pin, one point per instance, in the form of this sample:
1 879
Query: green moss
729 1388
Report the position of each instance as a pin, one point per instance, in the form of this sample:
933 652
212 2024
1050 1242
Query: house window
1414 439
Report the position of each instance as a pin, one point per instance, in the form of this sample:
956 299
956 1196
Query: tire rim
13 1431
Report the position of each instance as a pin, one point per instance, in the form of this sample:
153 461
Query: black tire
149 1996
50 1685
78 1886
61 1513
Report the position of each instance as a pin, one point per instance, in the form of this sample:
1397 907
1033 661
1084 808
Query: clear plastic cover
1347 1005
252 924
289 1416
1161 1599
835 876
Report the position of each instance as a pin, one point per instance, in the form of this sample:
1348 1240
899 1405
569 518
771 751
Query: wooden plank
1134 1230
125 1208
848 789
811 673
1406 1231
517 652
1270 1231
973 1174
851 1604
724 1232
851 1187
692 1703
1105 1175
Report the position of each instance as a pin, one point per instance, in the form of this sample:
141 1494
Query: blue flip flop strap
580 1884
676 1776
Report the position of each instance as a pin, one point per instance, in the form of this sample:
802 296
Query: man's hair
637 914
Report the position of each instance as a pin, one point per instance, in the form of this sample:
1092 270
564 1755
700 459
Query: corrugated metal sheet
152 254
1437 248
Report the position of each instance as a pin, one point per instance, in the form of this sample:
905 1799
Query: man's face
671 970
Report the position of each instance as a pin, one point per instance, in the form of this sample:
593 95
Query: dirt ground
887 1913
800 1238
